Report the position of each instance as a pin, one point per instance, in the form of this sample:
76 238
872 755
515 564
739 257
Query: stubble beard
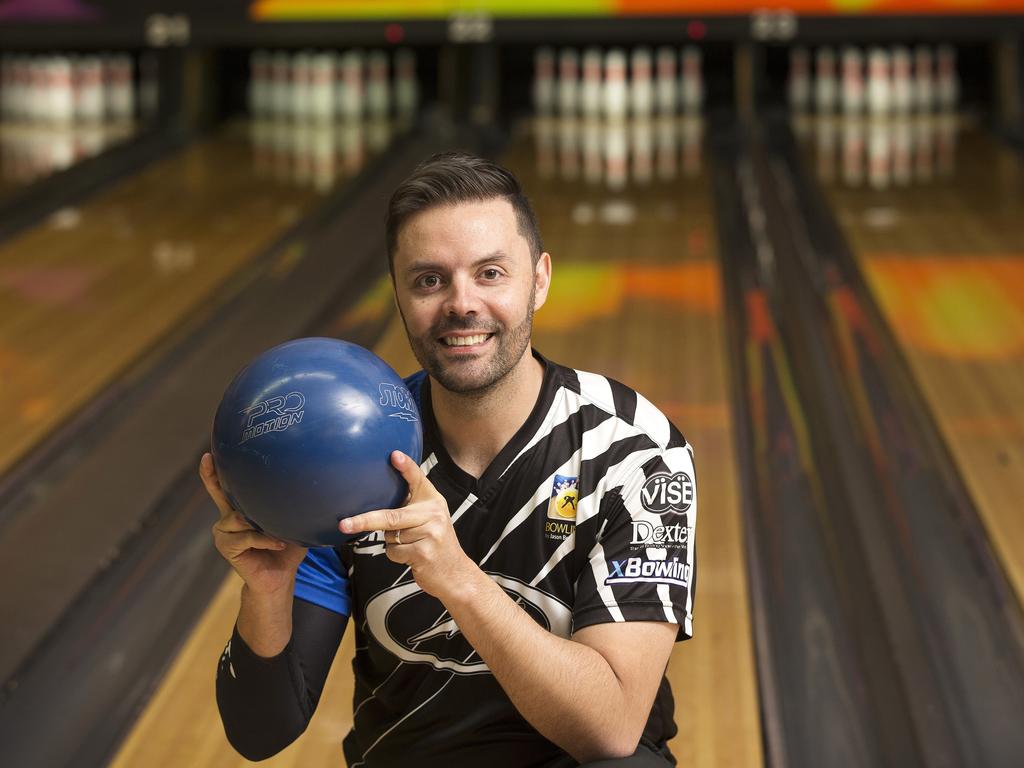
454 376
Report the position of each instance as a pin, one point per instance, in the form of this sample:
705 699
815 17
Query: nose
462 298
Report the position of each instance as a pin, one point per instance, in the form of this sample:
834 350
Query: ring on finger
398 537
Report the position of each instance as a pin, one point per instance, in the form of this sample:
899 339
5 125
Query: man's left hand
419 534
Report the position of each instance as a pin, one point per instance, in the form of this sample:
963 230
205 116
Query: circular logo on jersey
416 628
664 492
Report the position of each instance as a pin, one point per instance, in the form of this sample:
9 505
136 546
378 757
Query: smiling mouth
465 341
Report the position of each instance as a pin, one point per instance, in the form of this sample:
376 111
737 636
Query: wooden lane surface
85 294
945 261
637 301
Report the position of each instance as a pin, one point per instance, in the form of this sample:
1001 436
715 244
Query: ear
542 280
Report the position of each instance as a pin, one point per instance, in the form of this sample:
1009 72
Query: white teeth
465 341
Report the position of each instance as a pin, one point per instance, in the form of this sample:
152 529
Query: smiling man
520 608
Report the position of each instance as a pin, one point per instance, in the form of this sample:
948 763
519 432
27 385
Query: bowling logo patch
561 521
564 498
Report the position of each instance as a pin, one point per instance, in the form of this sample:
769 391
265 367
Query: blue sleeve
321 580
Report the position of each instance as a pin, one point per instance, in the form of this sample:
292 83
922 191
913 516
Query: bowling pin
879 82
302 86
924 89
321 88
60 109
666 83
88 89
853 81
38 98
902 82
407 84
280 85
568 82
641 84
378 87
615 94
947 85
351 96
799 86
544 81
692 86
119 96
825 90
590 90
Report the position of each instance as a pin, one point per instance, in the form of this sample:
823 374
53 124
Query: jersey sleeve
321 580
642 565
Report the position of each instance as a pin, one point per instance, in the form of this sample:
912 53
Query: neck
475 427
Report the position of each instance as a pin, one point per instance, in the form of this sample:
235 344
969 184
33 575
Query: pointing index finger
419 486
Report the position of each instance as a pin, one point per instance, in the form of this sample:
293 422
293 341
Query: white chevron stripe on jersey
561 410
597 389
652 421
429 463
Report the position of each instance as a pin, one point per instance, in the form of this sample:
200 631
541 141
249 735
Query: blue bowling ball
303 438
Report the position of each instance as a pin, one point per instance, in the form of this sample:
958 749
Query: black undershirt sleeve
265 704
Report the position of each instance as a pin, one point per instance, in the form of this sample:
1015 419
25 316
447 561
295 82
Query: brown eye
491 274
429 281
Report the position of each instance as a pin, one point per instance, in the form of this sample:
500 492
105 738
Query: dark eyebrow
496 256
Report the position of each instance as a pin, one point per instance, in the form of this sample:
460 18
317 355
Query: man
520 608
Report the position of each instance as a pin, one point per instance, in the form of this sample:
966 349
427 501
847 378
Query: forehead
461 229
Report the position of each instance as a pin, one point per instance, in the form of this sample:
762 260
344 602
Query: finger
419 486
384 520
208 474
234 544
234 523
399 553
404 536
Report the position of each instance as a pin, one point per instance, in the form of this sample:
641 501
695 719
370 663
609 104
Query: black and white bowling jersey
585 517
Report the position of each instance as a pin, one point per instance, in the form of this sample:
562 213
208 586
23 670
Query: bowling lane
88 293
931 208
635 295
626 213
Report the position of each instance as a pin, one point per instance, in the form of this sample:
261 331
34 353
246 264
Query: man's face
467 289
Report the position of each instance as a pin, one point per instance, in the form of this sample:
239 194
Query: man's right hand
267 565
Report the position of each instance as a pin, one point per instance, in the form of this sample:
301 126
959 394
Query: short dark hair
449 178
